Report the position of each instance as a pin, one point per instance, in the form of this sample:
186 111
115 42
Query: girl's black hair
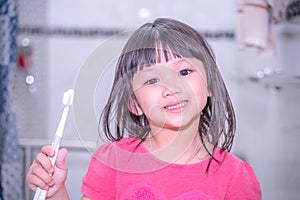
152 43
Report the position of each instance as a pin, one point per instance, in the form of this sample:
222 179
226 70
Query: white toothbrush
67 101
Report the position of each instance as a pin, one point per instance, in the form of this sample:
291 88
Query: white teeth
177 106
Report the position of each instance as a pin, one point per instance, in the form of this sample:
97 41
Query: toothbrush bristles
68 97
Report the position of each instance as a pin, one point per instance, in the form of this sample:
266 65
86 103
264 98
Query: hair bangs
145 57
152 45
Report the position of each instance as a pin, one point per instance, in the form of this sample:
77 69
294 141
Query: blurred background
257 49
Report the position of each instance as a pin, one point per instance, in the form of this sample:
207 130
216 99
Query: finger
48 150
29 180
44 161
60 159
43 175
36 182
37 177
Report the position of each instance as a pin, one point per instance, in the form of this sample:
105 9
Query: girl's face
171 94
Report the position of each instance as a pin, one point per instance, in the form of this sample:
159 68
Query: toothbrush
67 101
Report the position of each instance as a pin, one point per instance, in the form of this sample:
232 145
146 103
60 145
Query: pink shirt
115 172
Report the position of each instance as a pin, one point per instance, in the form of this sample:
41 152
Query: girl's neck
167 138
174 146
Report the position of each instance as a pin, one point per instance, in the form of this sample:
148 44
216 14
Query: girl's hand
45 176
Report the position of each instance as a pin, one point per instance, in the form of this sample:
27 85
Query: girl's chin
175 126
175 122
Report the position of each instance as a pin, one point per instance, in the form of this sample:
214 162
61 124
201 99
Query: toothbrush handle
40 194
55 145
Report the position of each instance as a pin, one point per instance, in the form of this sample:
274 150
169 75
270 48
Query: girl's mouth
176 106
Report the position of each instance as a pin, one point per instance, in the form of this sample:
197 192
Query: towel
255 21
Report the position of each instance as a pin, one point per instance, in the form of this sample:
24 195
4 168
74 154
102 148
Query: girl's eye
185 72
152 81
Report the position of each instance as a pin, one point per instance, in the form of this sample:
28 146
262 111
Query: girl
171 125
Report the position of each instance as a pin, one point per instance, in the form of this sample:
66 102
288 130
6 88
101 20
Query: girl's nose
172 84
171 90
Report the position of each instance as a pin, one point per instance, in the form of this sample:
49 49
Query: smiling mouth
176 106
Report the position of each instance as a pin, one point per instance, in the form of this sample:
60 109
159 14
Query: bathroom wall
63 35
268 113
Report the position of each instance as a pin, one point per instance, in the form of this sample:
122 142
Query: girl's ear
134 107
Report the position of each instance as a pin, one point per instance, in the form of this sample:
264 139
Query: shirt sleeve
244 184
99 182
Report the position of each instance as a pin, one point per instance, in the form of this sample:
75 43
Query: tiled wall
64 34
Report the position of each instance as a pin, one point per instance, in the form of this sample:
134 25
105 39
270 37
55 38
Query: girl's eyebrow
146 71
180 61
177 61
